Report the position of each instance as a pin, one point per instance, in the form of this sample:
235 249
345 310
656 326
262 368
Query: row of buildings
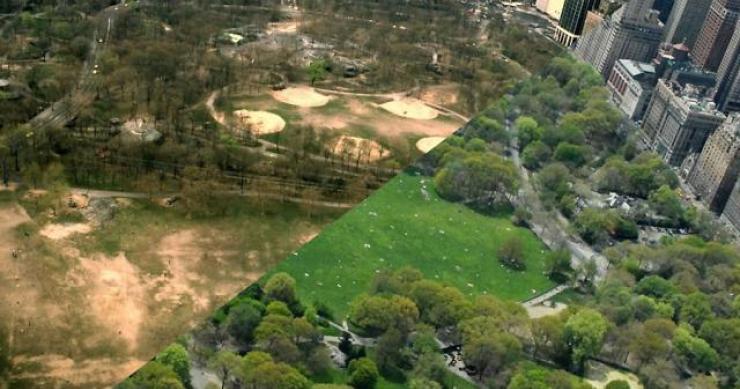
673 68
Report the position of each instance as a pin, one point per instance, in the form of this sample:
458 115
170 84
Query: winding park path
100 194
553 229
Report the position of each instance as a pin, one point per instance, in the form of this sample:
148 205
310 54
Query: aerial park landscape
334 194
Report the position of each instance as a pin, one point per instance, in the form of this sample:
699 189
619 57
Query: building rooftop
636 68
694 98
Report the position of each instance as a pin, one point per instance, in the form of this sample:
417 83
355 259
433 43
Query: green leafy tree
242 321
153 375
317 70
666 202
558 264
281 287
491 353
224 363
511 253
535 155
723 335
584 332
696 309
655 286
695 352
570 154
176 357
528 130
363 374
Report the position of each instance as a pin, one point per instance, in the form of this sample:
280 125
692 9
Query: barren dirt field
88 304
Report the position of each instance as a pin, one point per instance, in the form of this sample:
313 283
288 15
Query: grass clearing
399 226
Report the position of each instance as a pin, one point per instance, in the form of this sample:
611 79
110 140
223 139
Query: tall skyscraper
728 75
715 34
715 172
553 8
573 19
632 32
685 21
664 7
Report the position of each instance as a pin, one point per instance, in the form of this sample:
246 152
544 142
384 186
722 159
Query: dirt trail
220 117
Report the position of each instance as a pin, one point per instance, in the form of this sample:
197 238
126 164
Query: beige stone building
715 172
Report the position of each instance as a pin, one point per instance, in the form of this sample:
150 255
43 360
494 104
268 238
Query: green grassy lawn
398 226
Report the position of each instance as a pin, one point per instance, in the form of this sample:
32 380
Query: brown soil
426 145
56 231
259 122
444 95
91 371
367 150
116 295
396 126
410 108
301 96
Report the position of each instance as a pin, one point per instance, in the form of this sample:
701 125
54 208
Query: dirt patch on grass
55 231
11 187
599 375
357 107
542 310
393 126
307 237
354 148
426 145
324 121
290 27
301 96
444 95
116 294
77 373
259 122
410 108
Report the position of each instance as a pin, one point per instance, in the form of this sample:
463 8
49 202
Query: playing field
405 224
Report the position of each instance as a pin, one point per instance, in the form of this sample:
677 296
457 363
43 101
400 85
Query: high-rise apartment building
685 21
715 171
679 119
631 32
715 34
731 213
728 75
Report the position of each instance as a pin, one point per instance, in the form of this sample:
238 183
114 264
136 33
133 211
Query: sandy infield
426 145
290 27
301 96
259 122
356 147
56 231
410 108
